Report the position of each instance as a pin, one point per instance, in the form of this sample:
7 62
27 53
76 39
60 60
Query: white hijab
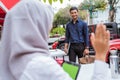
24 36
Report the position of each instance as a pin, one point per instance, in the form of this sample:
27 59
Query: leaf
44 0
61 1
54 0
50 1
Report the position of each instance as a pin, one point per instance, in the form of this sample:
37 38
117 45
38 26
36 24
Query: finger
107 35
92 38
98 31
103 32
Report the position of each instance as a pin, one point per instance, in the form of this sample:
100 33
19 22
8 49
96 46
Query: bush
58 30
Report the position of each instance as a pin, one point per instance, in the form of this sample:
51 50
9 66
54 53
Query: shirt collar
78 20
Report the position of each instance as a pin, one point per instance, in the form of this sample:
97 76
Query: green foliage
83 14
61 1
100 4
93 5
44 0
51 1
63 16
54 0
58 30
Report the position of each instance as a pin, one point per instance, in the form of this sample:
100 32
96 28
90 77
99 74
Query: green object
71 68
50 1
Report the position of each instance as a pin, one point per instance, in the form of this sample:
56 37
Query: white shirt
46 68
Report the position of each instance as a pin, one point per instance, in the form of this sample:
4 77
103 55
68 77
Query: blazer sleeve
67 34
86 34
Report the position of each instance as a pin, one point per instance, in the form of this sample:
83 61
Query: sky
57 5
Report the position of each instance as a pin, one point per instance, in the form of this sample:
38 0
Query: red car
112 27
115 43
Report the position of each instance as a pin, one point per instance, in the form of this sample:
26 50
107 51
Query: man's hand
100 41
66 50
86 51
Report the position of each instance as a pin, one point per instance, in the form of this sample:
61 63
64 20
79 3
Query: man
77 36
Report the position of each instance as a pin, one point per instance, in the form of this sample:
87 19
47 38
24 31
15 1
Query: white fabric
57 53
98 71
101 70
24 36
44 68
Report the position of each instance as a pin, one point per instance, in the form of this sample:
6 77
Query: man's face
74 14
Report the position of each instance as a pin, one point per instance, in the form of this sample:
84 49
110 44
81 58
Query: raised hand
100 41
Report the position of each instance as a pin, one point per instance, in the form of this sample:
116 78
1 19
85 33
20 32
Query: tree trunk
111 15
90 21
90 17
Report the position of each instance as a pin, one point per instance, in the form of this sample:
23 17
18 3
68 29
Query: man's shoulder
69 22
82 21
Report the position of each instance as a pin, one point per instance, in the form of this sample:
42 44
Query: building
102 16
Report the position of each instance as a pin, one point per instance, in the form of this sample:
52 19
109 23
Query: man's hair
73 8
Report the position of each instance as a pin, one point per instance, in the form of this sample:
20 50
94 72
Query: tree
112 9
93 5
58 30
83 14
63 16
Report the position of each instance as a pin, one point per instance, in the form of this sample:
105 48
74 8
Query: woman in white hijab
24 49
24 38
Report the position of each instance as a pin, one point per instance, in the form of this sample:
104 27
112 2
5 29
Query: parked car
114 44
112 27
59 44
